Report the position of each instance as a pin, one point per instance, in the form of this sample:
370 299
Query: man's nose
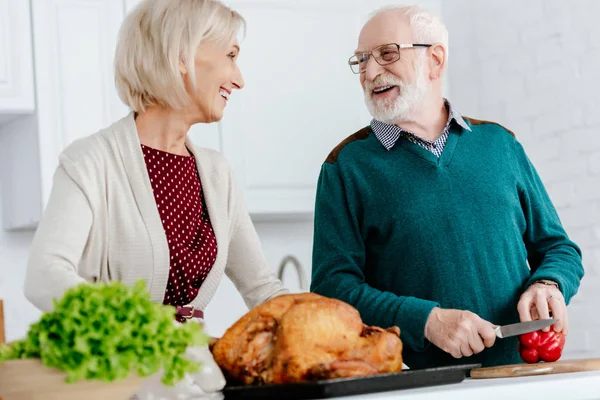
372 70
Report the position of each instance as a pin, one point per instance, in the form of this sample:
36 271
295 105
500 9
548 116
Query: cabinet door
300 100
75 42
16 64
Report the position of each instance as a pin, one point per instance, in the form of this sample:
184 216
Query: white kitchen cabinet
74 44
16 61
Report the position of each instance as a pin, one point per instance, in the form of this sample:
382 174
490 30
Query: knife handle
498 333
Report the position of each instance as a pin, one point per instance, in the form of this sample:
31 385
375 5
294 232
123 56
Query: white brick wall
533 66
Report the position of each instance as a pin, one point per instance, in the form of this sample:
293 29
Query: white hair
426 26
156 37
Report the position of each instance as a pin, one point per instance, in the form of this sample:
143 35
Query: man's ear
437 61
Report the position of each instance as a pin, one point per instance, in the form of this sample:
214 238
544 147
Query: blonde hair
158 35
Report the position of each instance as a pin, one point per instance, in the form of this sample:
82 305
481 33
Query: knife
523 327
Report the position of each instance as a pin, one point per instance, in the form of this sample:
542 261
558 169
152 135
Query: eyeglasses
384 55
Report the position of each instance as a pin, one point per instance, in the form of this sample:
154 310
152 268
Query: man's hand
460 333
539 300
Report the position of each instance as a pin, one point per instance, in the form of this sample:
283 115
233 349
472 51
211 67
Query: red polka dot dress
192 244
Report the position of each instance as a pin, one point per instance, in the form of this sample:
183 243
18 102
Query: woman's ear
437 61
182 68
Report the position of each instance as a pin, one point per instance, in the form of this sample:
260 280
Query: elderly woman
137 199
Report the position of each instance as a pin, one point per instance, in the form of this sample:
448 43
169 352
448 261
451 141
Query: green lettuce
108 331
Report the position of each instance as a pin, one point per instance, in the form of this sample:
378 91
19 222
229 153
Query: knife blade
523 327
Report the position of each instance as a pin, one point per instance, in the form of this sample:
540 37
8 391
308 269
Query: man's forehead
369 45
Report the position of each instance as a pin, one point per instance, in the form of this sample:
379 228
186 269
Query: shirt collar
388 134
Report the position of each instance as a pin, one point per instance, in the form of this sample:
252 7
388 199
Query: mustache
386 79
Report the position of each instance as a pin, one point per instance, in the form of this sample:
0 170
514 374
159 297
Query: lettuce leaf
108 331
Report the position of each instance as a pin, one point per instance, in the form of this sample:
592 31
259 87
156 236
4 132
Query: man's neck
429 121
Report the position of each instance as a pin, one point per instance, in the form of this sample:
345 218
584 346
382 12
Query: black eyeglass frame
368 54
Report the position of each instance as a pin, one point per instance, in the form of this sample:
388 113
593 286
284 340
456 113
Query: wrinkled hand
538 301
460 333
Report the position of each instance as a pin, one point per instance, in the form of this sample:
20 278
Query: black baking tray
325 389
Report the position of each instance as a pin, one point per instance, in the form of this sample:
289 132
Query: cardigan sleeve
58 243
247 266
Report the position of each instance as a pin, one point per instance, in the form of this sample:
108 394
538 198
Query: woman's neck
163 129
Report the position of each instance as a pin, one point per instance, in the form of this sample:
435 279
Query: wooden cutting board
544 368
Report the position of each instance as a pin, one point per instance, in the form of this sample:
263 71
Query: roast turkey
305 337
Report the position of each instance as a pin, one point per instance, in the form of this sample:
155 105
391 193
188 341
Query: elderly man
433 222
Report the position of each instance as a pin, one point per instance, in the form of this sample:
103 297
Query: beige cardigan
101 223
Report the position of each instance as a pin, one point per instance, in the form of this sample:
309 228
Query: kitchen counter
569 386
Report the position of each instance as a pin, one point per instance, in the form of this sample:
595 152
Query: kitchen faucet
299 269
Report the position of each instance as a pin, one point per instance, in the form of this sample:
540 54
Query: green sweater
398 232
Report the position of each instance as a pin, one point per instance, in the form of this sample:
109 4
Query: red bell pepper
541 346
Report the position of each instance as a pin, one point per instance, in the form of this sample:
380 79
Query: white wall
533 67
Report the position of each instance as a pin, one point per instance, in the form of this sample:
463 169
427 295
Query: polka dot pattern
192 244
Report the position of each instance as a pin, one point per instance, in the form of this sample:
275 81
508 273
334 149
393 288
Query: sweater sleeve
247 266
58 243
551 254
338 269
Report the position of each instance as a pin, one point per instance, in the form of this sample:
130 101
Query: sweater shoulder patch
474 121
359 135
